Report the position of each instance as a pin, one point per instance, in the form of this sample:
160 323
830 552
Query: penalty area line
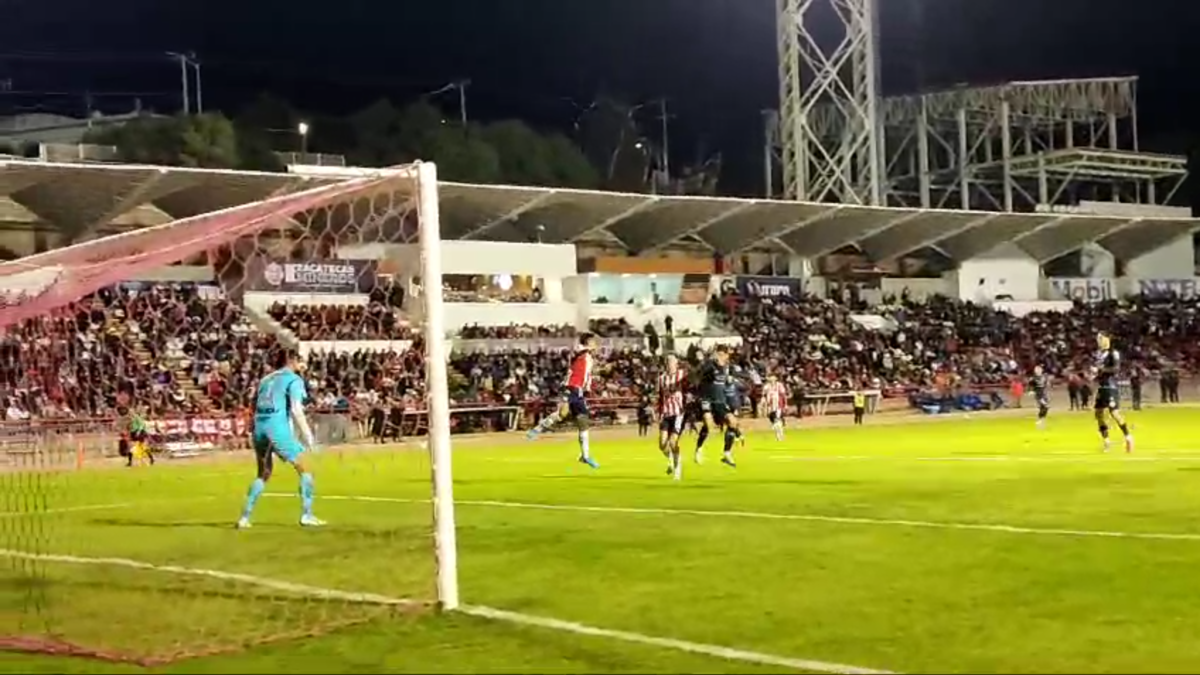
726 653
800 517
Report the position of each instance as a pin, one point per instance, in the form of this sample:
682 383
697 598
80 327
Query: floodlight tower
829 132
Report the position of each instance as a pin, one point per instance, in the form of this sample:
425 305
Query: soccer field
979 544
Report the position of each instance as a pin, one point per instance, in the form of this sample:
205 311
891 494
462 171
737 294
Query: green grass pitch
975 544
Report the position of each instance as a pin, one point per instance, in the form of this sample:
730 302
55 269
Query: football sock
584 450
256 490
306 494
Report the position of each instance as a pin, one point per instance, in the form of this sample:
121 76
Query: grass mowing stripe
845 520
718 651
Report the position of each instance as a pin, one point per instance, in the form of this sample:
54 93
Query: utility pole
664 119
461 86
188 62
184 85
199 83
770 139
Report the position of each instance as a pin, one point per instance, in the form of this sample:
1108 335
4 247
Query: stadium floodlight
302 129
96 552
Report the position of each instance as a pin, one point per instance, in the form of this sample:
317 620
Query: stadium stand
185 349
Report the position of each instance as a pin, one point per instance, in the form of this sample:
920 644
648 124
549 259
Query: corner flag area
78 202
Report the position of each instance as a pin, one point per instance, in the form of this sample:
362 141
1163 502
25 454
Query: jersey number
266 395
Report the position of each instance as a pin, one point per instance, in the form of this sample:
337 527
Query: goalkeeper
278 415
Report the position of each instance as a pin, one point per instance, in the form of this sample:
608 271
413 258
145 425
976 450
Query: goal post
437 388
127 368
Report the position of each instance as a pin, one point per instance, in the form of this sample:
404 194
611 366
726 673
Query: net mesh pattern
126 457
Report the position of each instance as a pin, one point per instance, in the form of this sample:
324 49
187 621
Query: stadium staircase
178 368
263 322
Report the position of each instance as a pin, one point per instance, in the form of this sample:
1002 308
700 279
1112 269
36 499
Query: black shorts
672 424
137 436
577 406
264 459
1043 402
774 416
719 410
1107 399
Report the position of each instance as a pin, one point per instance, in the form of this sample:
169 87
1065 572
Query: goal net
128 369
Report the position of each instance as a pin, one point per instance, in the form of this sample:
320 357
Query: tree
267 125
207 140
465 155
523 153
385 135
568 165
268 114
530 158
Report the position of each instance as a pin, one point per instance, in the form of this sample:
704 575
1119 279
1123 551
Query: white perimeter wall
547 261
1176 260
1006 270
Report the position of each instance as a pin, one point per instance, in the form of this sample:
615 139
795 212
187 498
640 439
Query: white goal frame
437 391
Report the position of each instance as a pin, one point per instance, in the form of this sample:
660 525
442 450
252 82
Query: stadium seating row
175 351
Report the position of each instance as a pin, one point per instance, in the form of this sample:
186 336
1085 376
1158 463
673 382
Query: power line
93 94
81 57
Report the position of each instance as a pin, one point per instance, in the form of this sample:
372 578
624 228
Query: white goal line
717 651
758 515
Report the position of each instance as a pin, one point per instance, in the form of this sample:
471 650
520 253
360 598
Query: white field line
248 579
107 506
726 653
758 515
1060 458
66 509
668 643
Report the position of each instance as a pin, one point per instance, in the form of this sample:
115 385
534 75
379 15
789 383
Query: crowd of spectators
820 344
178 348
373 321
605 328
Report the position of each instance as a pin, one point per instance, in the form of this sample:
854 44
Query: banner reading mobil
769 287
1083 289
314 276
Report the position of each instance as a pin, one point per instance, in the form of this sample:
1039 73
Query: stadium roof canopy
83 200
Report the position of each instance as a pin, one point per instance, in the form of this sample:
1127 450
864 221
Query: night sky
714 59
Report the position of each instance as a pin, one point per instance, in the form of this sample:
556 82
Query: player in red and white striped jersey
670 386
574 407
774 399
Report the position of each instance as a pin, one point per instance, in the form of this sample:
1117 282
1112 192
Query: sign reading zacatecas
317 276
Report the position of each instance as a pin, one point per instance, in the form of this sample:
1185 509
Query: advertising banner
314 276
769 287
198 426
1085 290
1185 289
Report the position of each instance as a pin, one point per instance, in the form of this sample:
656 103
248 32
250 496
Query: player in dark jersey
1108 399
712 388
1039 384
